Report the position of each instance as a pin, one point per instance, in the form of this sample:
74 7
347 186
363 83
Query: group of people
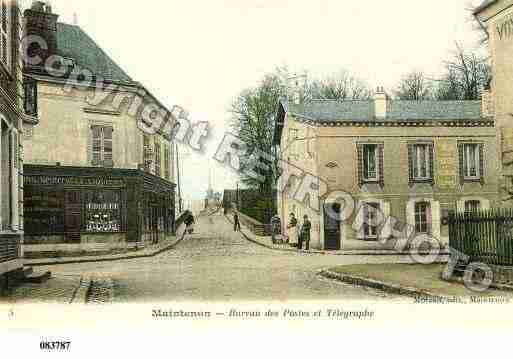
294 237
298 238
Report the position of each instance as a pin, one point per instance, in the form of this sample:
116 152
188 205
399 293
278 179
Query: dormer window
5 35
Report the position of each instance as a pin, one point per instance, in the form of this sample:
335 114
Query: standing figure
292 238
236 222
275 228
305 234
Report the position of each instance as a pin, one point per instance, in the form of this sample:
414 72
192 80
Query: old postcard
196 167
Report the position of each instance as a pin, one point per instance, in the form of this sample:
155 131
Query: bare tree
466 74
414 86
341 86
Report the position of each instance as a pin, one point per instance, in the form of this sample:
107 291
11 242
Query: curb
380 252
80 295
383 286
497 286
113 259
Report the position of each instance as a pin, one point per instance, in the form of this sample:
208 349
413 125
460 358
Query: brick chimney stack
41 21
380 103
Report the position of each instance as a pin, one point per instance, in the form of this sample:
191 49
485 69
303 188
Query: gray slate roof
74 43
484 5
363 111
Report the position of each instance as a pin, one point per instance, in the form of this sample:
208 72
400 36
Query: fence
9 248
484 236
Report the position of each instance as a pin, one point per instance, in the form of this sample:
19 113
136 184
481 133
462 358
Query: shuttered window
421 162
167 162
370 223
370 163
102 146
471 157
423 218
5 31
158 158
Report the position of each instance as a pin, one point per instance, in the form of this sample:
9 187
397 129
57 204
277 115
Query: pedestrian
275 228
236 222
292 238
304 237
189 222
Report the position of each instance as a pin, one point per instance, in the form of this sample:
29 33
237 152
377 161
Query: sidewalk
267 242
60 289
150 251
413 280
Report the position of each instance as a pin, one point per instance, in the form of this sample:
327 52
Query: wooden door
72 215
332 230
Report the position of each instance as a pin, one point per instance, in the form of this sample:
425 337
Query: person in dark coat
189 222
304 236
236 222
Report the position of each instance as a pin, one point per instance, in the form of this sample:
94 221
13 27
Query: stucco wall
63 134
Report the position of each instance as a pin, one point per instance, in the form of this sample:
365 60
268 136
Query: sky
200 54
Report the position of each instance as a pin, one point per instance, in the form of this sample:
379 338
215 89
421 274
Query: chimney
487 103
380 103
41 21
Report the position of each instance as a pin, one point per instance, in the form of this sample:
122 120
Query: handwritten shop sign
447 164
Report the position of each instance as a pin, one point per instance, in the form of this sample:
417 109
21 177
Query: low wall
257 228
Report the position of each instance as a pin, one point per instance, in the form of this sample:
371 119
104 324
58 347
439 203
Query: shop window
102 211
44 211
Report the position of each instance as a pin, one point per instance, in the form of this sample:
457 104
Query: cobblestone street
217 264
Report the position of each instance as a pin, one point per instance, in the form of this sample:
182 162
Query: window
5 35
423 217
167 162
5 177
370 222
102 146
421 162
293 143
370 163
102 211
44 211
471 161
158 157
147 153
472 206
30 103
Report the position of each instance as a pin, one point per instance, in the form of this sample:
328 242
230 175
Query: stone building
12 117
94 172
496 19
408 160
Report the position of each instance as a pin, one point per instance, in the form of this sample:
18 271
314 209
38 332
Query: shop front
85 207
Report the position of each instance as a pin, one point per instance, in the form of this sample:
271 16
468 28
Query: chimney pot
380 103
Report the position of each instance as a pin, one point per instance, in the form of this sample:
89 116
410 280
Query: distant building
13 114
411 160
91 174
